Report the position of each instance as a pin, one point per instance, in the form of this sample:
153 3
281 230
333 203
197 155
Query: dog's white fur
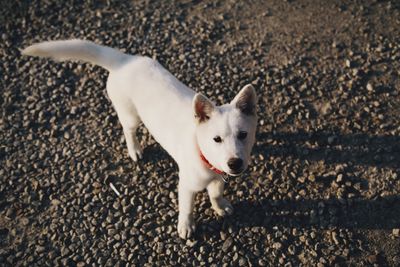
182 121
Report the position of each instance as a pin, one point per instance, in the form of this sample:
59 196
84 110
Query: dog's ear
202 107
246 100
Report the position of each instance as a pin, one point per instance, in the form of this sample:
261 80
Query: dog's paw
222 207
186 227
135 153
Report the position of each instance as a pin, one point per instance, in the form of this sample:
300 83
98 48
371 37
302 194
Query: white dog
207 141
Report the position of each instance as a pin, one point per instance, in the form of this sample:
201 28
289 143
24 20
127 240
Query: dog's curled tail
106 57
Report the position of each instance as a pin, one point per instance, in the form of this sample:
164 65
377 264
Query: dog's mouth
235 173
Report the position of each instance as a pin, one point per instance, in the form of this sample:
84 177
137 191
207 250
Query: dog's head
226 134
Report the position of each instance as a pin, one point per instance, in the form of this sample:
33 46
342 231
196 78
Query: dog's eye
242 135
217 139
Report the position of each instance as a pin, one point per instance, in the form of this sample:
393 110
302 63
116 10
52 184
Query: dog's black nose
235 164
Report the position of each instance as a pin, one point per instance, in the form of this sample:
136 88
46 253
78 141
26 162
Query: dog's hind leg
134 148
130 121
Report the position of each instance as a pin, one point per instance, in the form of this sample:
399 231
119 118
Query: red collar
208 164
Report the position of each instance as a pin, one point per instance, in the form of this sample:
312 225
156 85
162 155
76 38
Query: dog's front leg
186 225
215 191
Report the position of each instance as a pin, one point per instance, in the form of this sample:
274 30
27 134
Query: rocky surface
323 189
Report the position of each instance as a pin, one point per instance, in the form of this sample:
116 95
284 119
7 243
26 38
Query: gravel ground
323 189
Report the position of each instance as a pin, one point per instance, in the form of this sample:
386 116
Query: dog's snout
235 164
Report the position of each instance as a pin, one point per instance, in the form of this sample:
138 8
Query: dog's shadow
378 213
355 213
